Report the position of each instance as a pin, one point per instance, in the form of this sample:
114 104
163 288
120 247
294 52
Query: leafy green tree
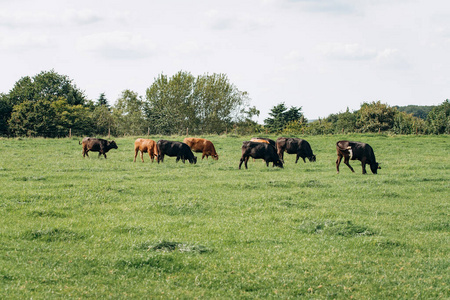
102 101
50 118
346 121
320 126
46 86
77 118
5 113
170 108
103 120
438 119
247 125
28 106
206 104
408 124
128 114
375 117
419 111
34 118
218 103
280 116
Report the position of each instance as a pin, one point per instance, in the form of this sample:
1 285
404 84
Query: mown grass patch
332 227
52 235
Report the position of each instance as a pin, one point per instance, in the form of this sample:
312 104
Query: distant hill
417 110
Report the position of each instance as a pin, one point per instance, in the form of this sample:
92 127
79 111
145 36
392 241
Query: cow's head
112 145
193 160
374 167
278 163
312 158
215 156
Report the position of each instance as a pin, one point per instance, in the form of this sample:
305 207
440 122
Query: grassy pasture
79 228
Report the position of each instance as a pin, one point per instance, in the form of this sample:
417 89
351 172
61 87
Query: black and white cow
356 150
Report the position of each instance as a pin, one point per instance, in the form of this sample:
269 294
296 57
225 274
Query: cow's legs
346 161
338 162
135 154
246 161
363 165
240 162
296 159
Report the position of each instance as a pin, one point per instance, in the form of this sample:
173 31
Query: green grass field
79 228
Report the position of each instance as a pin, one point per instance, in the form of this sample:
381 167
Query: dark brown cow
202 145
97 145
295 146
145 145
356 150
259 150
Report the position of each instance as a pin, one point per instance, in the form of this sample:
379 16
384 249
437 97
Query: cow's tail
338 146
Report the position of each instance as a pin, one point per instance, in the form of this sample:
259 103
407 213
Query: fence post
109 132
70 132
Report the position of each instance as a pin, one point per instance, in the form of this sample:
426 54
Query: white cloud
26 19
392 58
220 21
24 42
82 17
117 45
340 51
328 6
23 18
224 20
293 55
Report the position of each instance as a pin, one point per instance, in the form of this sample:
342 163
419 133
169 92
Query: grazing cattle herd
257 148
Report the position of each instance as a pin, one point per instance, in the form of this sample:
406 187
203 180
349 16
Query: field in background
74 227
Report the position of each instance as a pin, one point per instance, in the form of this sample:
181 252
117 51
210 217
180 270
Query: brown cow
98 145
145 145
202 145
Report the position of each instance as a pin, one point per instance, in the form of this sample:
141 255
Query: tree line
50 105
373 117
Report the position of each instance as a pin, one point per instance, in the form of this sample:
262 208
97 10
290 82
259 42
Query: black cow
178 149
97 145
356 150
295 146
259 150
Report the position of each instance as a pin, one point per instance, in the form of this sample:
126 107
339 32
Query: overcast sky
322 55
